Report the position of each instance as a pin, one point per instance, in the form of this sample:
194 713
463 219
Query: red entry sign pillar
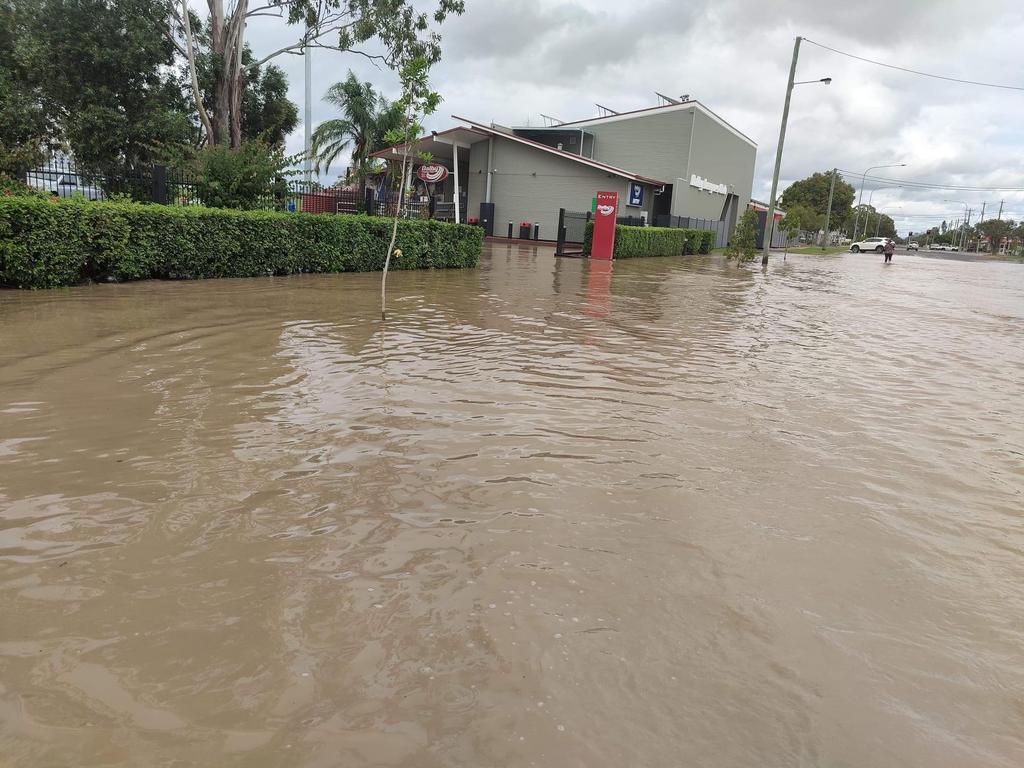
603 244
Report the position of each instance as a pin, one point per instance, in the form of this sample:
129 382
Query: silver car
63 184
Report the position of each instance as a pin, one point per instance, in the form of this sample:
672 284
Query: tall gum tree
387 31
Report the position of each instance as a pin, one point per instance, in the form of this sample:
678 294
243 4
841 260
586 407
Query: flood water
551 513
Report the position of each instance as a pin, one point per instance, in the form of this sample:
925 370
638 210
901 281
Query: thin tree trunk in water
394 235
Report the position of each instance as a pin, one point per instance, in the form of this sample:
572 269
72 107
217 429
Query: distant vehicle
912 246
938 247
876 244
63 184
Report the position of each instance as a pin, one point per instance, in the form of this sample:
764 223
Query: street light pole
308 113
769 222
964 203
860 197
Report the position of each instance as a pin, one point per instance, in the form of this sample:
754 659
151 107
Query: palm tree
366 119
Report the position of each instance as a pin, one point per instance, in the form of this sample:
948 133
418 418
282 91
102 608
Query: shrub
249 178
50 243
632 242
743 245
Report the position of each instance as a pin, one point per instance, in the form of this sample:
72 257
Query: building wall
721 157
531 185
675 145
476 178
653 145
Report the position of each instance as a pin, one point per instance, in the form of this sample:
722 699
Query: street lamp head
826 80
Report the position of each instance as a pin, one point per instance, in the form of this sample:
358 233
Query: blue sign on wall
636 195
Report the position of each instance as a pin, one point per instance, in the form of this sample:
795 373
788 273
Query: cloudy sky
511 60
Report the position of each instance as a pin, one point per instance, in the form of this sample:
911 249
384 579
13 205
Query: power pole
769 222
981 220
1000 216
828 212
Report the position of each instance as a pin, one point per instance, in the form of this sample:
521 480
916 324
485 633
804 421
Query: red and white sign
603 244
432 172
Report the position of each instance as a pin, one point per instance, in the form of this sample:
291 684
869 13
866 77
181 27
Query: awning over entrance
449 148
440 145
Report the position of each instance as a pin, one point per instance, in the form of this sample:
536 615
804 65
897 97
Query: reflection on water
661 512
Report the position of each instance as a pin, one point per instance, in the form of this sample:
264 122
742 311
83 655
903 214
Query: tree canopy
812 193
996 230
394 30
365 122
101 73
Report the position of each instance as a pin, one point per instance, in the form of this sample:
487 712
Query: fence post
159 178
560 242
536 230
368 205
510 230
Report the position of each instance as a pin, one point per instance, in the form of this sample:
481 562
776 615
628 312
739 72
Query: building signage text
707 186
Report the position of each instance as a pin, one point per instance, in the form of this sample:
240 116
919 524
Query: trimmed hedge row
51 243
633 242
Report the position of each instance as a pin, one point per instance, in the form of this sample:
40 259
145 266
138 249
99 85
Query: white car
63 184
876 244
912 246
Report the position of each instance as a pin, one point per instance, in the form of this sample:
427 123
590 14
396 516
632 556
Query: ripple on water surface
666 512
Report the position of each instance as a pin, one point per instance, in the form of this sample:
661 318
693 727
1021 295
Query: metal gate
572 229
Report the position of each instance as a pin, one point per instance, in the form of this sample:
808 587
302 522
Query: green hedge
50 243
632 242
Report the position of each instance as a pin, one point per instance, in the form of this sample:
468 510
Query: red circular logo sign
432 172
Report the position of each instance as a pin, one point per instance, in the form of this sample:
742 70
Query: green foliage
50 243
995 230
743 245
367 119
23 123
15 186
634 242
708 239
799 218
400 29
812 193
247 178
103 73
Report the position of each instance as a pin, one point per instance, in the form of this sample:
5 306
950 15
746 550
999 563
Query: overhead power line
910 183
918 72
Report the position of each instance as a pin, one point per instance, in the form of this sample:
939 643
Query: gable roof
562 153
663 109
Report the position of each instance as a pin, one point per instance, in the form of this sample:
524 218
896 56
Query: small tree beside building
743 245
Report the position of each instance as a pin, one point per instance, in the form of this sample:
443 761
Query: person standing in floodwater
890 246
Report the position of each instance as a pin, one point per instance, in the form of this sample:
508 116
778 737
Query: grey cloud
511 61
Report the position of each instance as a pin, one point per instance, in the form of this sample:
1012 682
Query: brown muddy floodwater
674 514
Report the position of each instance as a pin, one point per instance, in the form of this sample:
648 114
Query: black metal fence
170 186
153 183
720 228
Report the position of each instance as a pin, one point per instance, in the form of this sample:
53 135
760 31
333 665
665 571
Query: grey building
676 160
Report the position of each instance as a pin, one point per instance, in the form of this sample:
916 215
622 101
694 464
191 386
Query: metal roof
661 109
562 153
